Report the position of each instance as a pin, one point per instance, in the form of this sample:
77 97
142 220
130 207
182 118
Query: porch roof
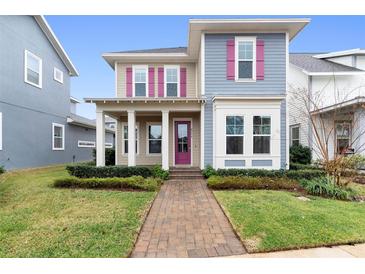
355 101
147 100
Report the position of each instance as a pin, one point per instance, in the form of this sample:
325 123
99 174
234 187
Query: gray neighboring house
38 121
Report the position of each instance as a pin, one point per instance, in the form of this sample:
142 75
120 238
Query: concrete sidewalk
342 251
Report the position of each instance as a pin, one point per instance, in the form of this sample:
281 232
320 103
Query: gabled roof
56 44
357 51
158 50
78 120
311 64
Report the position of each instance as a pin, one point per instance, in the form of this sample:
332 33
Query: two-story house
331 89
38 121
220 101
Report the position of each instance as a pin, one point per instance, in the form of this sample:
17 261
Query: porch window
246 58
125 139
261 134
32 69
140 80
154 138
58 133
294 135
343 136
234 134
172 81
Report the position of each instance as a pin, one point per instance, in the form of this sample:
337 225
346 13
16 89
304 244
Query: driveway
186 221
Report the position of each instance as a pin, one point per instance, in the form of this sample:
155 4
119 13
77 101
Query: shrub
325 187
238 182
86 171
304 174
300 154
2 170
297 166
134 182
250 172
109 156
209 171
158 172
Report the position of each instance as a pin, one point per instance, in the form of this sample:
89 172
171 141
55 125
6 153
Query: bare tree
335 123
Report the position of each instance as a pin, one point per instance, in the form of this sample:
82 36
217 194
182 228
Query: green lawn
277 220
37 220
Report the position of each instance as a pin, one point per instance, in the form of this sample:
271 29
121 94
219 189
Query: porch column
165 139
100 138
118 141
131 138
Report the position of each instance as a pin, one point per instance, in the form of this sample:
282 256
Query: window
108 145
343 136
58 75
234 134
294 135
58 133
154 138
246 58
125 138
1 131
172 81
86 144
261 134
140 80
32 69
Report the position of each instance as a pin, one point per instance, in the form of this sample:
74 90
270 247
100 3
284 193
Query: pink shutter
161 83
183 82
129 82
260 71
151 82
230 59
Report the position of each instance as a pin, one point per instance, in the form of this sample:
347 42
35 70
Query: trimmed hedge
2 170
239 182
87 171
158 172
304 174
300 154
297 166
135 183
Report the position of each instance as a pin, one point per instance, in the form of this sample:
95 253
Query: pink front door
182 143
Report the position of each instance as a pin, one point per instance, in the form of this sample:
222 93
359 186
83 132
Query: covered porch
167 131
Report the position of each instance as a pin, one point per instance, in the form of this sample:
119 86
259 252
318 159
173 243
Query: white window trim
92 143
245 39
108 145
134 67
177 67
26 52
1 131
291 134
55 70
148 139
63 136
137 138
225 134
254 135
349 123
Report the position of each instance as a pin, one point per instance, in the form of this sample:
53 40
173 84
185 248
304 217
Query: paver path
186 221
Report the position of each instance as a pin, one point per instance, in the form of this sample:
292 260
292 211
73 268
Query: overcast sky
85 38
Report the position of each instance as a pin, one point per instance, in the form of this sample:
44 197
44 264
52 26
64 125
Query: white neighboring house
336 82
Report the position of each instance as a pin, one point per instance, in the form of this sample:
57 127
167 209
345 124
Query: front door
182 143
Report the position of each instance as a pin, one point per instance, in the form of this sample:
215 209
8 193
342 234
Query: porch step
185 177
185 173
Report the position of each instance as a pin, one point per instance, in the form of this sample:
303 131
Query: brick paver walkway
186 221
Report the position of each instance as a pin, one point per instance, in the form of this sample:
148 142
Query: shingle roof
158 50
311 64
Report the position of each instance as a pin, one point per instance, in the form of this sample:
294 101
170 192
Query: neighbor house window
108 145
246 58
125 138
343 136
58 133
32 69
140 80
58 75
172 81
261 134
154 138
234 134
85 144
294 135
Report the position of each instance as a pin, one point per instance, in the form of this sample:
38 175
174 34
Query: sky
85 38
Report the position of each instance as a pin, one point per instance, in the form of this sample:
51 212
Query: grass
277 220
38 220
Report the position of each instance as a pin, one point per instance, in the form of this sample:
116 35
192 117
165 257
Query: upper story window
58 140
58 75
261 134
172 81
234 134
246 58
32 69
140 80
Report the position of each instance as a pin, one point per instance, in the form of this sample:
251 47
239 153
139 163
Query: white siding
360 62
